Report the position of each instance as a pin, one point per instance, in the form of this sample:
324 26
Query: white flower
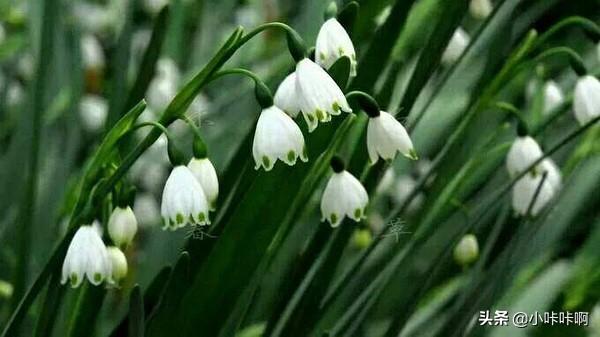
146 210
93 110
318 95
552 171
333 42
122 226
118 263
386 136
277 137
523 152
553 97
286 96
86 256
586 100
480 9
92 53
344 196
457 45
163 87
183 200
205 173
524 191
467 250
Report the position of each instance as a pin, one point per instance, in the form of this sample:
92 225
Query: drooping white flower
522 154
93 110
333 42
457 45
146 209
386 136
524 191
183 200
586 100
205 173
553 97
118 263
122 226
163 87
286 96
467 250
553 175
277 137
480 9
92 53
318 95
86 256
344 196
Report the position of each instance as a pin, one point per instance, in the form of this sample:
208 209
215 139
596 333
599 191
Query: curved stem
263 27
150 123
261 90
582 22
240 71
366 102
575 60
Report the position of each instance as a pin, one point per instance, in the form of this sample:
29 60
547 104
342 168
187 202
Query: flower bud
122 226
467 250
362 238
118 263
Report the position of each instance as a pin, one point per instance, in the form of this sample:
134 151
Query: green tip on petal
336 106
357 213
179 219
291 156
320 114
73 279
201 217
97 277
333 218
266 162
412 154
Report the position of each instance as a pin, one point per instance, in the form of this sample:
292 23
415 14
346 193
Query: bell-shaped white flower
386 136
277 137
333 42
553 175
586 100
522 154
205 173
183 200
456 47
344 196
480 9
122 226
318 95
553 97
163 87
286 96
86 257
93 110
118 263
524 191
467 250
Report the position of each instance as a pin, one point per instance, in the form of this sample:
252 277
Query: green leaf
340 71
136 313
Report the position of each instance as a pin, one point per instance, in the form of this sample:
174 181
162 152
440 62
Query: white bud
122 226
524 192
118 263
586 100
183 200
456 47
92 53
333 42
480 9
467 250
93 111
553 97
205 173
522 154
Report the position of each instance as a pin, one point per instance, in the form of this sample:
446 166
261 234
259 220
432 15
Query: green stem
575 60
582 22
295 42
262 92
366 102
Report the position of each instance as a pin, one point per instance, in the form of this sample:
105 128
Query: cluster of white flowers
532 192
